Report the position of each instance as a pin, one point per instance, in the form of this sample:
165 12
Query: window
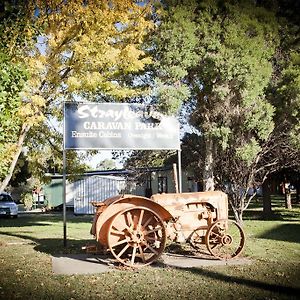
149 182
162 184
5 198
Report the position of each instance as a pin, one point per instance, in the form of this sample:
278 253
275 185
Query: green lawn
27 243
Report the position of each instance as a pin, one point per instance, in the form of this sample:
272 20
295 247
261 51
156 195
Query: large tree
222 54
79 48
13 77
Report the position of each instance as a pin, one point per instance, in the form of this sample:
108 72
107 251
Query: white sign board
118 126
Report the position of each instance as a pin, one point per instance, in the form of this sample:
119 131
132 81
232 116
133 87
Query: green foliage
21 173
27 200
236 44
106 164
175 43
284 92
288 91
17 29
220 54
148 159
12 79
222 133
70 49
232 56
259 120
171 97
92 49
248 152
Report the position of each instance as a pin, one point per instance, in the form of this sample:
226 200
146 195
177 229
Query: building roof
116 172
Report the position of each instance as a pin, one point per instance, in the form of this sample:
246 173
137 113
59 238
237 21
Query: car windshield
5 198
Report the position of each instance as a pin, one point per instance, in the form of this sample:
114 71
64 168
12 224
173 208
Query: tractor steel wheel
197 239
225 239
136 236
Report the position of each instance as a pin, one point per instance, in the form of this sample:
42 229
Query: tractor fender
116 204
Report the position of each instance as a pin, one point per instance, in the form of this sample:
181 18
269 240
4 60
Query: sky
103 154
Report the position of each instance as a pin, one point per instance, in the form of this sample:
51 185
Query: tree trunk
287 195
208 174
288 199
238 215
267 205
5 182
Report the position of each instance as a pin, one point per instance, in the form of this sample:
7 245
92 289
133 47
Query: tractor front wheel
225 239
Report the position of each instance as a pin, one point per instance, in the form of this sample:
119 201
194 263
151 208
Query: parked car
7 205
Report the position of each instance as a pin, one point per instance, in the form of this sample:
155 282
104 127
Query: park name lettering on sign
118 126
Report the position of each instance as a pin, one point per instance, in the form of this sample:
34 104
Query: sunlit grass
27 243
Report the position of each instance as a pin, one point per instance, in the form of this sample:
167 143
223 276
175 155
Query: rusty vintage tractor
135 229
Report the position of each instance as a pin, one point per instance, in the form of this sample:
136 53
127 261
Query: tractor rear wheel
136 236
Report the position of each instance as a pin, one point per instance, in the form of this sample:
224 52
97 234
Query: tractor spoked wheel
225 239
197 240
137 236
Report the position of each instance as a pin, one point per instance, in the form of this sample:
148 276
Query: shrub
27 200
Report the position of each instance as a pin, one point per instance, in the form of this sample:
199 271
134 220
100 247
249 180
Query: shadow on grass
41 219
283 232
55 247
277 214
52 246
287 215
247 282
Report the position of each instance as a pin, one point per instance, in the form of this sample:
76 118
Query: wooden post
175 178
179 171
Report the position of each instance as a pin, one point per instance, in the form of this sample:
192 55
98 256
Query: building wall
81 193
53 193
94 189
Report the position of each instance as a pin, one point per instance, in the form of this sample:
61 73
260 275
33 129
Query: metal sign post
64 199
